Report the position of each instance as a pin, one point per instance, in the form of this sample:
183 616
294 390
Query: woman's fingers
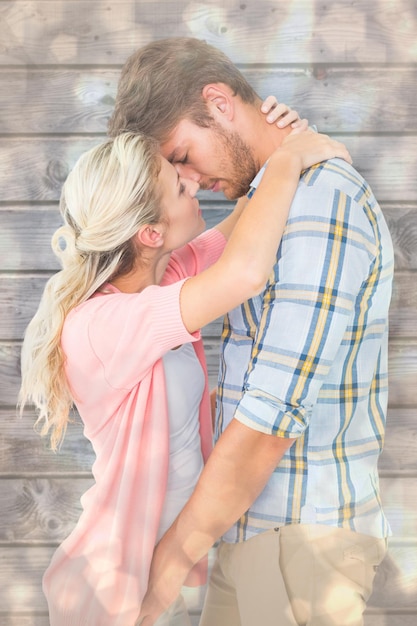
281 114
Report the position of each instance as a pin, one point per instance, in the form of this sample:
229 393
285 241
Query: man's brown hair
162 83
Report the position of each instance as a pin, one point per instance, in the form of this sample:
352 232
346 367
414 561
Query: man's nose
185 171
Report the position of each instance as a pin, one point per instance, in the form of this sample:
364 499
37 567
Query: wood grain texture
20 296
73 101
81 32
23 451
402 370
26 231
349 67
402 223
40 509
400 448
25 238
35 169
46 509
403 309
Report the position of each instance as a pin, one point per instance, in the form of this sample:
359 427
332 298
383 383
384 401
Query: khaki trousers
297 575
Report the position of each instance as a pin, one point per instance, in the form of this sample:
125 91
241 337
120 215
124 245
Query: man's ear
151 236
220 100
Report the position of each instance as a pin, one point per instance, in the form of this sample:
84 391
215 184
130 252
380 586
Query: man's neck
266 139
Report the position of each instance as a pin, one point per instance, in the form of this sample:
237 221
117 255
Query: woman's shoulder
107 302
111 316
126 333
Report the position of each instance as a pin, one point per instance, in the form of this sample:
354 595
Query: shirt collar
254 184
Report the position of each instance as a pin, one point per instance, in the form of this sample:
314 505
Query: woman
117 334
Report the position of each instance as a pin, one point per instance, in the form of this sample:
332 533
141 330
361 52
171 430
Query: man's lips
210 186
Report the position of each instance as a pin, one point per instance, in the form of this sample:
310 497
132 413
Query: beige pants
298 575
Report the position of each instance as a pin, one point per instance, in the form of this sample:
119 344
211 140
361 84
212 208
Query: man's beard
235 159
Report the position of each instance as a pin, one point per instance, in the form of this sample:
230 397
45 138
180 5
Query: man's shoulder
333 173
324 186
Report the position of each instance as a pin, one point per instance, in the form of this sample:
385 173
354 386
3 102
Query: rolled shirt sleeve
308 309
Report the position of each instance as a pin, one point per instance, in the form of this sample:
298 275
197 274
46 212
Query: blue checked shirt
307 359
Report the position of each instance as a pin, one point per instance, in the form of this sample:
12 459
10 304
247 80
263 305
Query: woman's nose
191 185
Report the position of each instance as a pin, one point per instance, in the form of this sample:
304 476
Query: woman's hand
282 115
310 148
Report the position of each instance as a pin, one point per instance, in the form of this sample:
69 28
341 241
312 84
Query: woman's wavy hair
162 83
111 192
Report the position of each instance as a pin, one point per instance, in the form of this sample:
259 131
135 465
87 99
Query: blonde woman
117 335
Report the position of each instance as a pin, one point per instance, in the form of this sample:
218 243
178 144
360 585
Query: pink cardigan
114 344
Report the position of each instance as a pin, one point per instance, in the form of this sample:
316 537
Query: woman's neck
147 273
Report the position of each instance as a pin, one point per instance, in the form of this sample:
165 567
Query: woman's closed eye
182 161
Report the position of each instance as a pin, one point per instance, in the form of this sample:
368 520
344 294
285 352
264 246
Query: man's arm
298 335
236 472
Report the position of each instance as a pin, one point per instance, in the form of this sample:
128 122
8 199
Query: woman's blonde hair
111 192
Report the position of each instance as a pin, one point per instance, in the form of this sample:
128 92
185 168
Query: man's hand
150 611
236 472
156 601
169 569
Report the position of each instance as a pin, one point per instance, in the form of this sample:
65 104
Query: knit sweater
113 344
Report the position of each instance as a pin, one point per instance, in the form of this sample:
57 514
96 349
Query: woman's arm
244 267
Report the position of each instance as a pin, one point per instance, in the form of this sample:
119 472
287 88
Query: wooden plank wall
350 67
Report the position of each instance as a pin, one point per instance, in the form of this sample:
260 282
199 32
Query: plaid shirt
307 359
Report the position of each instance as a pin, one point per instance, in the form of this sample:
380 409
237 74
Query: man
292 483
